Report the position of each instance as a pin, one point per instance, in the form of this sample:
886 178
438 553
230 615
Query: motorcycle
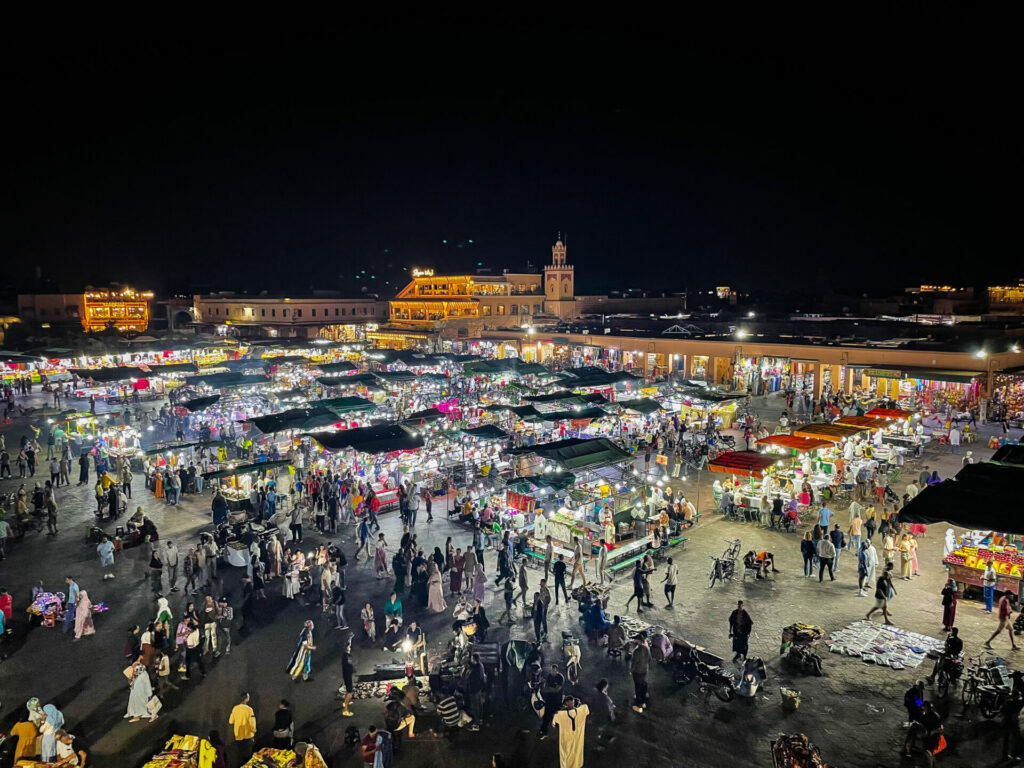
711 678
949 674
754 673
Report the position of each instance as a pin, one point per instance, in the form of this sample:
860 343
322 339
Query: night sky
291 163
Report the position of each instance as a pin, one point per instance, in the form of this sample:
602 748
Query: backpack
352 736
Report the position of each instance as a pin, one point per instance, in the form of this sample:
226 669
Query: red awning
795 442
890 413
746 463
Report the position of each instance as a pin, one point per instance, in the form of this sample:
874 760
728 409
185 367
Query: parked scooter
711 678
754 673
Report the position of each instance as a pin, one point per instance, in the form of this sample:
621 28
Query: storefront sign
882 373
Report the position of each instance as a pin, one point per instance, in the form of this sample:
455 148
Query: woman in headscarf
906 557
455 576
949 597
163 612
380 557
438 559
83 617
54 721
479 583
141 692
35 712
435 596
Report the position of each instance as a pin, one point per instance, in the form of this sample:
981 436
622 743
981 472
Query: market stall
974 551
239 480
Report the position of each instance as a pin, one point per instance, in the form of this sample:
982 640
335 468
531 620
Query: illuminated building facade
125 308
433 299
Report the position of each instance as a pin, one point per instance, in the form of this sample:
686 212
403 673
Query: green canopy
578 453
241 469
497 407
230 379
642 405
486 432
562 396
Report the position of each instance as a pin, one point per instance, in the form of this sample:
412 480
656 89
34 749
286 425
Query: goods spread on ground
888 646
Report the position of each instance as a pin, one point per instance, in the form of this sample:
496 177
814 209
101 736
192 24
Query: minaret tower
559 283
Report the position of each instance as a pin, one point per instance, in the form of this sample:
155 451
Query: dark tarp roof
343 367
574 415
244 364
595 398
561 396
165 368
746 463
198 403
497 407
162 447
294 418
1009 456
418 417
711 395
577 454
558 481
395 376
507 365
598 379
241 469
356 379
383 438
345 404
525 411
486 432
985 496
282 359
926 374
231 379
286 394
111 374
642 405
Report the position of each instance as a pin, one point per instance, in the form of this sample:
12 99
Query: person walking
105 549
301 662
348 671
559 570
577 563
638 588
540 618
740 627
1005 611
949 598
243 720
883 593
554 683
601 561
639 666
839 542
808 552
826 556
671 577
171 564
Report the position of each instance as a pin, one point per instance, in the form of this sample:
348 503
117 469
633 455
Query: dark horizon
295 164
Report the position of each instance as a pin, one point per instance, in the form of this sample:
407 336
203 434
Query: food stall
967 562
238 480
751 465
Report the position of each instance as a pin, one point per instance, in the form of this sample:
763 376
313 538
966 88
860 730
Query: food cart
967 564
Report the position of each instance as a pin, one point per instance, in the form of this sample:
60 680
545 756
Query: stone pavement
853 713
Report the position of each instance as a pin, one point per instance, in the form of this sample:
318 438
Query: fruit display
1005 560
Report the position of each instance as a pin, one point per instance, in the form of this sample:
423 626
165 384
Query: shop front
1007 403
760 374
